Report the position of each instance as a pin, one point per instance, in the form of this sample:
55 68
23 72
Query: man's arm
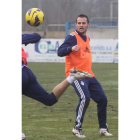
66 47
30 38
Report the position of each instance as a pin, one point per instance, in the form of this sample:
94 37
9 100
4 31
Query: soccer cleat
78 133
23 136
80 74
104 132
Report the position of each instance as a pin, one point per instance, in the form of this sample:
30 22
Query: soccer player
77 52
30 85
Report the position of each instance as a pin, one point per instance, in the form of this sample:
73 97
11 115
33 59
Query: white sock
103 129
71 79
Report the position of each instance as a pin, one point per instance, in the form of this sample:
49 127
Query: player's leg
98 95
32 89
60 88
81 88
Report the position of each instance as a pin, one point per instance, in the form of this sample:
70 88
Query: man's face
82 25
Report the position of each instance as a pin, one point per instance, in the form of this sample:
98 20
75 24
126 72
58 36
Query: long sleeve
30 38
66 47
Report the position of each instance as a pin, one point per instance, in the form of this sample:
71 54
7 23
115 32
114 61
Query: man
30 85
77 52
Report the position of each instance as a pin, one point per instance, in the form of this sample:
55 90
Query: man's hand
76 48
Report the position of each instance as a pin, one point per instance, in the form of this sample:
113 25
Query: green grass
40 122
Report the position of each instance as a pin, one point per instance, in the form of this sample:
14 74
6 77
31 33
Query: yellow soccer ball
34 17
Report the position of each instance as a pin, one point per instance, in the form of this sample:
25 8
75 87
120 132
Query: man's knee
86 100
50 100
103 100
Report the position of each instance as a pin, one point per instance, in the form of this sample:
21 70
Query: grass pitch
40 122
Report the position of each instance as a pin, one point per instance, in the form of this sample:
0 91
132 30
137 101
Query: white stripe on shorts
82 104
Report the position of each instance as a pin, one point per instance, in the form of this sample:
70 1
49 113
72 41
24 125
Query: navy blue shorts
32 89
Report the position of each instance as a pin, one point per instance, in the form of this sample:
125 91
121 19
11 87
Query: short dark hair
83 15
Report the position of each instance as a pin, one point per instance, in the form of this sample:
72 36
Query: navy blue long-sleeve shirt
70 41
30 38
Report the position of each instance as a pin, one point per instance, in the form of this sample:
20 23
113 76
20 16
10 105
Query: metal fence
93 24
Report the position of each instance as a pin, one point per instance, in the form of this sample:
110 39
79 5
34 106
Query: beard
82 31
